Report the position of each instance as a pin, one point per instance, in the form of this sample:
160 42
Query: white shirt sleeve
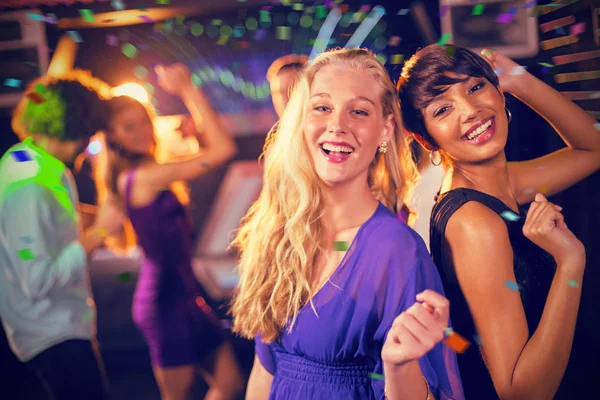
34 251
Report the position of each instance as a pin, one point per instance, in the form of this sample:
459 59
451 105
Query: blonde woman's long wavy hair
281 235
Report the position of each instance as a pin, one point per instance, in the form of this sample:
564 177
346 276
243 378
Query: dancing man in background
45 296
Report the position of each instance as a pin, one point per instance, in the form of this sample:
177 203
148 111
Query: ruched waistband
299 368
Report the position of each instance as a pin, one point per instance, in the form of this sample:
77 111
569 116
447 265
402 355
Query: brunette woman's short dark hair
425 76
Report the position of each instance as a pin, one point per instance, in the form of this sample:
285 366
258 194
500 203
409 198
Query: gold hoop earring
509 114
435 157
383 147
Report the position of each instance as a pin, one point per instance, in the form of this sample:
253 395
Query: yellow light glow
132 90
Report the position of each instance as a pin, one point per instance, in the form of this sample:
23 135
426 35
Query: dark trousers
72 370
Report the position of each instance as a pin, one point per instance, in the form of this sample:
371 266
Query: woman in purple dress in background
183 334
334 287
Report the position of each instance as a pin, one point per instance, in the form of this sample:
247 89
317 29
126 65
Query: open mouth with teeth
336 152
478 133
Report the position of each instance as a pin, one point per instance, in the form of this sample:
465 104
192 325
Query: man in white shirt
46 305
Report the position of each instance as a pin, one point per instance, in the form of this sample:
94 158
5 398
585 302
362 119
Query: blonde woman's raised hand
417 330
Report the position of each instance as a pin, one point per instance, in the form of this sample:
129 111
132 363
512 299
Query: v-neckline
347 255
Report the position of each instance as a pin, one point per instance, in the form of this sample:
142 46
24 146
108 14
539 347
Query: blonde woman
334 287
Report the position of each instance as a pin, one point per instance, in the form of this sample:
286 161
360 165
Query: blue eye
361 112
321 108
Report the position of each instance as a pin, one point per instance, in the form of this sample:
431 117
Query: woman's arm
563 168
259 384
219 145
520 366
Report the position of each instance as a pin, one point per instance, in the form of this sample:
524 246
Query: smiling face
132 129
344 123
468 121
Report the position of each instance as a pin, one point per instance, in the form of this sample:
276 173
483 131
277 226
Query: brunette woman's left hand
417 330
509 72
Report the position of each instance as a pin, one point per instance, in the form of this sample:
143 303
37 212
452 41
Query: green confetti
283 33
450 50
573 283
88 316
40 88
546 64
25 254
341 245
478 9
162 1
125 277
397 58
320 12
448 331
444 39
87 15
374 375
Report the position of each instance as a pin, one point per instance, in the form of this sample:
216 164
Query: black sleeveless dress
534 270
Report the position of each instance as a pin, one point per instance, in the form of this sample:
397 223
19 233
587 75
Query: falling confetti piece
448 331
36 17
577 29
222 40
341 245
87 15
225 324
478 9
560 31
75 36
597 126
573 283
498 71
145 18
450 50
457 343
35 97
25 254
397 58
376 376
444 39
21 155
283 33
12 82
403 11
118 5
504 18
162 1
477 339
519 70
125 277
26 239
112 40
394 41
544 64
512 285
529 191
510 216
260 34
544 190
88 316
320 12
